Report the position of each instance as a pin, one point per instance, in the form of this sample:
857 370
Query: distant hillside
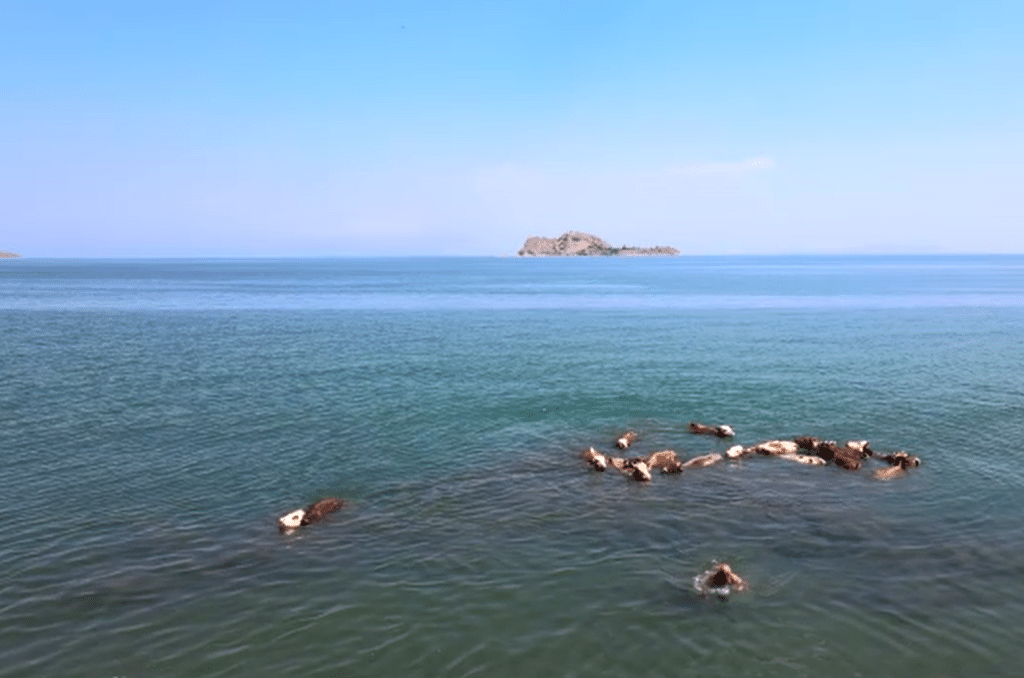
9 255
578 244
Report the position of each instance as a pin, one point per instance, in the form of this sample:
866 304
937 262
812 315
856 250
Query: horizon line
516 256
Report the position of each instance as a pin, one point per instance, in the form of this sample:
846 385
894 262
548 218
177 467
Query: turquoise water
158 416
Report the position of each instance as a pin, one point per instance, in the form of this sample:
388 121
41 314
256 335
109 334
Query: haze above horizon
457 128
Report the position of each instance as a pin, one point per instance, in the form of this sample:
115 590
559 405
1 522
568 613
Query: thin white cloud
728 168
509 178
524 179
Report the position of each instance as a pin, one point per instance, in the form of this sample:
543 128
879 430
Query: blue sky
406 128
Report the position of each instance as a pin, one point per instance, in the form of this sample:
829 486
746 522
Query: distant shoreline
9 255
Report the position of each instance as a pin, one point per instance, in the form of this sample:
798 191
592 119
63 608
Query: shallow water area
160 416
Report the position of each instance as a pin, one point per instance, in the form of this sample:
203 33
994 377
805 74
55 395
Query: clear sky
375 128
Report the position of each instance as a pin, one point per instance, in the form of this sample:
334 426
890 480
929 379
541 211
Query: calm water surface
157 416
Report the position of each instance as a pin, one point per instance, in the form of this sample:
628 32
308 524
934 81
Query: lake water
157 416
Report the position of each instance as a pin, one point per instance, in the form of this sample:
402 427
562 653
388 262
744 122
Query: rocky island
578 244
9 255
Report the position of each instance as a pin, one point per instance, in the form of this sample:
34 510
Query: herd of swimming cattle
802 449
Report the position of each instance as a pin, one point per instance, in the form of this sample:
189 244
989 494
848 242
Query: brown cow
722 431
313 513
627 439
595 459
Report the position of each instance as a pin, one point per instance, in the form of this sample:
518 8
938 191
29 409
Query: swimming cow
666 460
848 457
782 449
722 431
703 460
808 459
862 446
637 469
774 448
595 459
724 576
313 513
736 452
901 459
720 580
808 443
899 463
627 439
